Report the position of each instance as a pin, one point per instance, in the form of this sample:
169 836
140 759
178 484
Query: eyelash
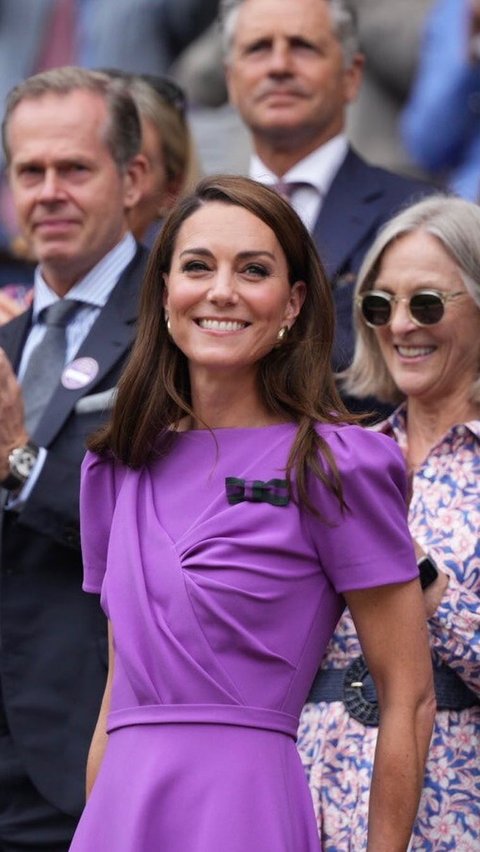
194 266
258 270
255 48
31 172
255 270
266 46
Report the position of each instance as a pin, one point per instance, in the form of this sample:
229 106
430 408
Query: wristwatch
22 461
428 571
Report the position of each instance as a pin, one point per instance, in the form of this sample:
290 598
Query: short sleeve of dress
97 502
369 544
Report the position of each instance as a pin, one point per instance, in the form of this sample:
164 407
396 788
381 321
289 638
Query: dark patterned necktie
46 362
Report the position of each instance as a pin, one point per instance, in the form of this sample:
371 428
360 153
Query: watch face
22 461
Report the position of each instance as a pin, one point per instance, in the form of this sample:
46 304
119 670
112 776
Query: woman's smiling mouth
221 325
414 351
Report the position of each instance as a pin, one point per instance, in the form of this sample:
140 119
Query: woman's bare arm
100 736
392 629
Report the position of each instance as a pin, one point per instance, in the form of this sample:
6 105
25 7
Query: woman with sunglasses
418 325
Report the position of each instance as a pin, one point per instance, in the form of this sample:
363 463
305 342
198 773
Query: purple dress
221 614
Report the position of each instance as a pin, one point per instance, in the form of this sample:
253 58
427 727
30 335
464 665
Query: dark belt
355 688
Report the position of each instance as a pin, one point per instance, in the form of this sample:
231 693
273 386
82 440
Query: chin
280 125
52 254
415 393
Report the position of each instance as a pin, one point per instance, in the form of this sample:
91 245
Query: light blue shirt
93 290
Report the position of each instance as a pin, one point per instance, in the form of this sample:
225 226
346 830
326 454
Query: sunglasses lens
426 308
376 309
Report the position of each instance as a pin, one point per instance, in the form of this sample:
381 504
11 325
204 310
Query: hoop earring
282 333
167 323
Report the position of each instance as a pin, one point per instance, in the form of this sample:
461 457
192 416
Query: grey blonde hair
455 223
344 24
122 132
179 150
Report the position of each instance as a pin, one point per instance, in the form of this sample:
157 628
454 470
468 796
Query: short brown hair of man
123 129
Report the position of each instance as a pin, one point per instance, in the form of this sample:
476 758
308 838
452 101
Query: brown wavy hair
296 382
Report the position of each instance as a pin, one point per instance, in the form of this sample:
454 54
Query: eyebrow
61 162
242 255
293 39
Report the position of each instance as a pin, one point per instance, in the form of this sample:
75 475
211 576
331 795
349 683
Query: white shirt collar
95 287
318 168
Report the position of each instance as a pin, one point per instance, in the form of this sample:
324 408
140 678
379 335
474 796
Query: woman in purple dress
229 510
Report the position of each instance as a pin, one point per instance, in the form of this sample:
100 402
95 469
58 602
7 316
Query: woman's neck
428 422
220 402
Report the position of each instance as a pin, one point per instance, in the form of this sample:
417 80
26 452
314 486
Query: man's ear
229 82
353 78
134 180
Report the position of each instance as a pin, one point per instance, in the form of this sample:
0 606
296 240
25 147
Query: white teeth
414 351
221 325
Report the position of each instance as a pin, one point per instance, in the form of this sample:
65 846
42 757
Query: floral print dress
336 750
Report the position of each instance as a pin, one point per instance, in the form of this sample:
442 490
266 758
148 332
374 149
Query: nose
50 189
401 321
280 59
222 290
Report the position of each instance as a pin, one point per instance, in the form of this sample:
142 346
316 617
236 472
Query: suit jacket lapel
108 340
349 201
13 335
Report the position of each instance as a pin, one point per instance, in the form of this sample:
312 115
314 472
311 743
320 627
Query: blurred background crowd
417 111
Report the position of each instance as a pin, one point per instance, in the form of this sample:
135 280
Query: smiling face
227 292
286 73
436 363
70 195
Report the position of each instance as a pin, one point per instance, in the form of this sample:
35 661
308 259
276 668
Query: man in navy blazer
71 141
292 68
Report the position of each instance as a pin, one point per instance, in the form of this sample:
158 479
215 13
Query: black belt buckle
359 696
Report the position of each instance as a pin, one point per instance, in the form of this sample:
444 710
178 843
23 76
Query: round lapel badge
79 373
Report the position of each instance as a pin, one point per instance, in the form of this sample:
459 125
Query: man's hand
12 425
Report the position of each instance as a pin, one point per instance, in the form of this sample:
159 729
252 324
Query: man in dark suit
71 141
292 68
